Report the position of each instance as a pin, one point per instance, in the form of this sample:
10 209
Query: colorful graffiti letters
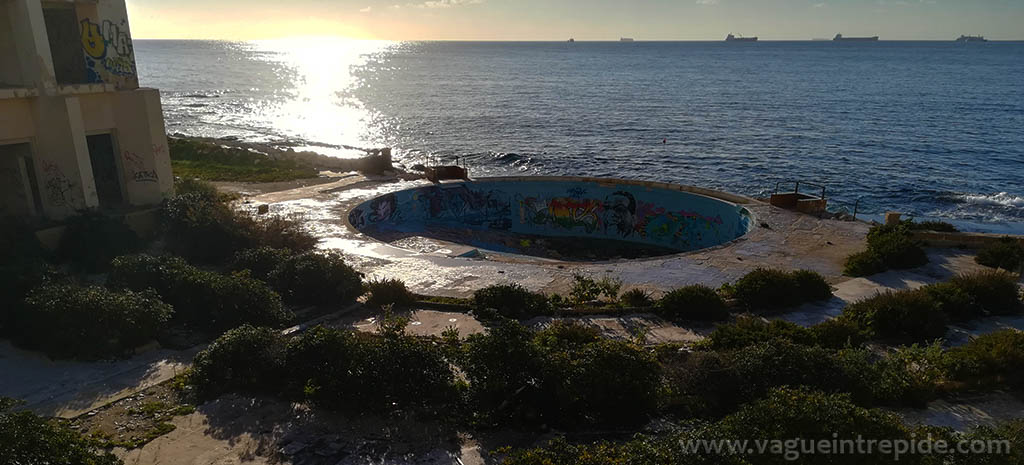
109 46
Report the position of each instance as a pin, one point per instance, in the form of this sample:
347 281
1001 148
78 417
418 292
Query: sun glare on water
322 107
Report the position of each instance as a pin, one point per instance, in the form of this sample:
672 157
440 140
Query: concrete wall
609 209
10 67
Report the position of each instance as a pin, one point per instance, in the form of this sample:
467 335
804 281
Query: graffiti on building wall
108 47
58 186
618 214
137 167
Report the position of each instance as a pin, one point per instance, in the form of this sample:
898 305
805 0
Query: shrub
511 301
93 239
748 331
695 302
207 229
203 228
636 298
937 226
993 357
953 301
575 381
838 333
787 413
196 186
68 321
503 370
585 289
29 439
995 292
320 363
260 262
395 371
317 278
781 363
775 289
889 247
865 263
905 317
389 292
1007 254
702 384
246 359
18 276
204 300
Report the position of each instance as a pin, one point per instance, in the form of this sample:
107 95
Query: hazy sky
582 19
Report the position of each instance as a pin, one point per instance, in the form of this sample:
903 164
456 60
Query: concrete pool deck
790 241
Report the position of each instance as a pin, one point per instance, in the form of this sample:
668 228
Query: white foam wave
1003 199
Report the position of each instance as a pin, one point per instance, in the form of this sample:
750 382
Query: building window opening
105 171
65 36
19 191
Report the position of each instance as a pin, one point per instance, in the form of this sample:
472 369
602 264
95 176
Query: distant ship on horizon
571 40
626 39
732 38
964 38
840 38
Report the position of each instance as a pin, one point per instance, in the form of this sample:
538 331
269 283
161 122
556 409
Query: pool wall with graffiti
660 215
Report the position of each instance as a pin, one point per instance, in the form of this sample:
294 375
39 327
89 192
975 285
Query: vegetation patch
1007 254
936 226
510 301
71 321
902 317
771 289
388 292
991 359
212 162
204 300
29 439
889 247
693 303
317 278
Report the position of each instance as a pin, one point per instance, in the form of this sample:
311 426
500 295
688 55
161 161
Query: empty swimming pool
558 217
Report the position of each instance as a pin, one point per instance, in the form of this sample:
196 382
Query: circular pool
565 218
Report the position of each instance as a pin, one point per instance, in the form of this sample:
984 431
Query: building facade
76 130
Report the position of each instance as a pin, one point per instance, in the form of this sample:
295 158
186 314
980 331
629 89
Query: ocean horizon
927 128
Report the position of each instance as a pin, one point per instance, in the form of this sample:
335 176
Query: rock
418 167
263 209
294 448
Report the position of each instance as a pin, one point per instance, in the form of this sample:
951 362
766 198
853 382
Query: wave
1002 199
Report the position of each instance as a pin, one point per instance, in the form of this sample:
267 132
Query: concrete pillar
61 158
143 144
892 218
34 55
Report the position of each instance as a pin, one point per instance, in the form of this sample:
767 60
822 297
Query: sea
934 130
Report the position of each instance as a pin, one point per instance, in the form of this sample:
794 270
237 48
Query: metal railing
796 186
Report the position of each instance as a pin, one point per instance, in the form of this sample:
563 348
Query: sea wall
645 213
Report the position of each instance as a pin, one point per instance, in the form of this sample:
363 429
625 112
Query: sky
579 19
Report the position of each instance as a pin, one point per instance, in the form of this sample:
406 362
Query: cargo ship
732 38
972 39
840 38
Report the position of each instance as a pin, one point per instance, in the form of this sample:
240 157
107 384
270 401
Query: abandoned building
76 130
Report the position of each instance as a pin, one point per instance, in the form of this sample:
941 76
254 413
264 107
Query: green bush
320 364
865 263
576 381
838 333
202 299
1007 254
636 298
207 229
69 321
196 186
245 359
775 289
995 292
904 317
701 384
18 276
748 331
937 226
389 292
889 247
29 439
511 301
693 303
93 239
954 301
317 278
586 289
991 358
781 363
787 413
260 262
503 369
